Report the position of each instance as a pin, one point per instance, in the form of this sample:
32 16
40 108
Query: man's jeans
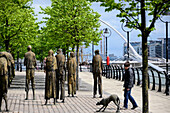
127 95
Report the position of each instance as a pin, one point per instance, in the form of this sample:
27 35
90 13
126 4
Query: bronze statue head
59 51
29 48
72 54
50 53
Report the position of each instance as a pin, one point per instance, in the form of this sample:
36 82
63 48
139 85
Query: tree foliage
70 23
130 10
18 28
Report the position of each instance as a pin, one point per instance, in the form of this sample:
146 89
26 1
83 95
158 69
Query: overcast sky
115 43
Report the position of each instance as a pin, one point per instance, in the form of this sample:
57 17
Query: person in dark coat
60 75
128 84
97 66
50 80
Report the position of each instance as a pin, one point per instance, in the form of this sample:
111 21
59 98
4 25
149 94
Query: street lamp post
167 75
127 31
107 34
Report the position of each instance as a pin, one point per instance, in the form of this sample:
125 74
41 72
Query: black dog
106 101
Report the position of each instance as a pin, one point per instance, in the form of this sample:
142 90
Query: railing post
153 77
110 71
105 71
122 74
116 73
159 89
138 83
113 72
148 81
119 73
167 83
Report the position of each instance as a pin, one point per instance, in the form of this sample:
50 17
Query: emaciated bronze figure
5 62
30 63
71 65
11 67
97 73
50 80
60 75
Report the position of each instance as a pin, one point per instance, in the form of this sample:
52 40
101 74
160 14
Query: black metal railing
155 79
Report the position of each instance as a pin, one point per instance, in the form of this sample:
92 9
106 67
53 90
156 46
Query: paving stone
83 102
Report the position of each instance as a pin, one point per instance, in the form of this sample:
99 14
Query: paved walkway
83 102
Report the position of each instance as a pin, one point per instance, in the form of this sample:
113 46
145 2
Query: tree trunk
7 45
145 60
64 52
73 48
77 70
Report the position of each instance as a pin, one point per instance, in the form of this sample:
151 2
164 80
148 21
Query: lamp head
106 31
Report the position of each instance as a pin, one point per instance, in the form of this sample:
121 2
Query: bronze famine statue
30 63
71 65
5 62
97 66
50 80
60 75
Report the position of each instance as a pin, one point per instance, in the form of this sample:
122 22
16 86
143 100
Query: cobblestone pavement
82 103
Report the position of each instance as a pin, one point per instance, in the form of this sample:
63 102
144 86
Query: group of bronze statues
55 69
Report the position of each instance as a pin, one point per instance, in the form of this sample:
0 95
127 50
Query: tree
17 25
71 23
129 12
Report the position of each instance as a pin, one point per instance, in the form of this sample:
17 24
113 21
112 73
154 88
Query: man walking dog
128 84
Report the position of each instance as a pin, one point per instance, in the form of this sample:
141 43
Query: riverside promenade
83 102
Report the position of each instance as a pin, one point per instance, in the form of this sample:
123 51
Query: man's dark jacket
129 77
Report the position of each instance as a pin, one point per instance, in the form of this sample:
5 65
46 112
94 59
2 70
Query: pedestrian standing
97 66
50 80
30 63
128 84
